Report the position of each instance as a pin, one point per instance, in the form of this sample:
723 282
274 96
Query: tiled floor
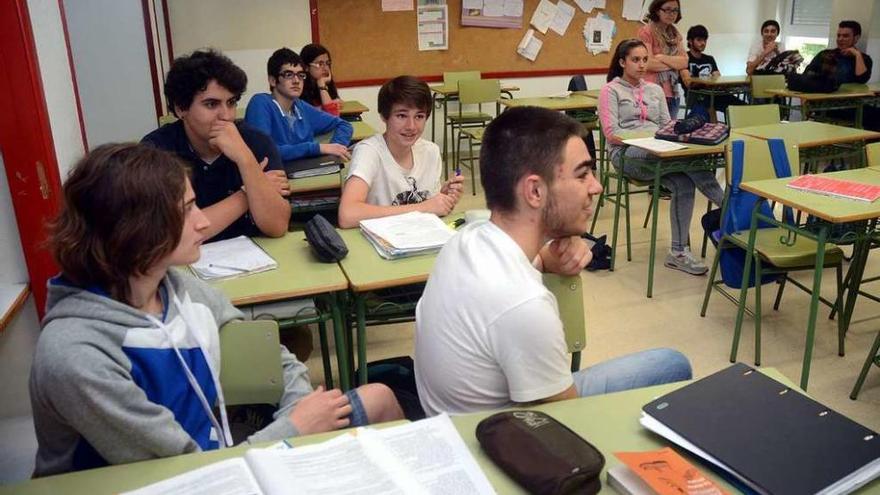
621 319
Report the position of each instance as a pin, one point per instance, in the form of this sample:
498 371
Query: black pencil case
540 453
325 242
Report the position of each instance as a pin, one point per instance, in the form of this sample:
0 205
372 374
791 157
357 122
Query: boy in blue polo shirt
293 123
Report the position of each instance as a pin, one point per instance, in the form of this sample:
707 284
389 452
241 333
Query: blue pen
457 171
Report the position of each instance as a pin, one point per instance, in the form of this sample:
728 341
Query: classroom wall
112 69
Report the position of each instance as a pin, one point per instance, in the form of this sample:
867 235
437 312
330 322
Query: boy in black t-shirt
703 66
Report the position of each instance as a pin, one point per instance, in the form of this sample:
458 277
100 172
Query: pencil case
540 453
325 242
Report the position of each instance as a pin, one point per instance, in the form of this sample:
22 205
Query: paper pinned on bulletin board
492 13
633 10
396 5
433 25
588 5
544 14
598 33
564 15
530 45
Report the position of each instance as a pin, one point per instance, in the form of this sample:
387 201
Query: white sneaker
686 262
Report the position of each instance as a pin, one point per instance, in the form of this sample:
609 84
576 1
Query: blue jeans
640 369
673 105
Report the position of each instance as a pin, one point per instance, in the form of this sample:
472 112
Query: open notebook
423 457
232 258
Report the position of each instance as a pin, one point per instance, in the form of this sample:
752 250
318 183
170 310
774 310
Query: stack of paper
408 234
598 33
232 258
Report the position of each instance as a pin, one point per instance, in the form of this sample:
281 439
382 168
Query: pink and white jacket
624 107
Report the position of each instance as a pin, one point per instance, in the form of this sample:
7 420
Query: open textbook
423 457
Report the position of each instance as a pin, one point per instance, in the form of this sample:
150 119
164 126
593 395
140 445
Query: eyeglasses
321 64
289 74
670 11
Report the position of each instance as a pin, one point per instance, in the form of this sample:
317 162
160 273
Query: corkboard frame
370 46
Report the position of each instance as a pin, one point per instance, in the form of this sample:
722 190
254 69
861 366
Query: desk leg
744 284
814 304
341 348
655 209
871 359
857 270
860 110
360 304
712 117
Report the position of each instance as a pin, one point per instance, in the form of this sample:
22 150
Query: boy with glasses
237 175
293 123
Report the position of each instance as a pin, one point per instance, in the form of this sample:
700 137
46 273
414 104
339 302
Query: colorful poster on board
433 25
492 13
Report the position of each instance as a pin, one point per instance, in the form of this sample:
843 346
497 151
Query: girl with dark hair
630 103
127 364
320 90
764 49
666 53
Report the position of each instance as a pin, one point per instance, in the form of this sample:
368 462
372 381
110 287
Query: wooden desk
830 210
571 102
694 157
299 274
610 422
848 96
592 93
318 183
713 87
352 110
816 141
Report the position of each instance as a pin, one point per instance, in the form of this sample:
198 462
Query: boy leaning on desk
127 365
398 171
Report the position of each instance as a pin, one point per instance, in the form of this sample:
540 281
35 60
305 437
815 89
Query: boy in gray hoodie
127 365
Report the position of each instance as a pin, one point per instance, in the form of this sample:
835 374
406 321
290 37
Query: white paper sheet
472 4
513 8
530 45
544 14
229 477
632 10
653 144
433 27
396 5
585 5
232 258
564 15
493 8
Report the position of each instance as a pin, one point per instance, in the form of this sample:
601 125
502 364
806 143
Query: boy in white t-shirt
398 171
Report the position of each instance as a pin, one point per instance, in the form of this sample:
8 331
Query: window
810 12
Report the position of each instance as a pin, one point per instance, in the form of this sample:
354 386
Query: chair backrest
577 83
761 83
749 115
873 154
476 91
569 292
452 78
757 160
250 362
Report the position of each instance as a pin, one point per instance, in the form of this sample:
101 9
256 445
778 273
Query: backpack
811 82
783 63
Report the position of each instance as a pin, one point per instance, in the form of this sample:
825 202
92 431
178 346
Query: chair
251 362
872 154
569 292
589 119
771 256
762 83
451 79
751 115
470 124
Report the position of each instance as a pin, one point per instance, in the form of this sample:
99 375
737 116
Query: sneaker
686 262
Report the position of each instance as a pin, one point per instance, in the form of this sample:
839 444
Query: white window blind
810 12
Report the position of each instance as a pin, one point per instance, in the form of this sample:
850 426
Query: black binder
776 440
312 166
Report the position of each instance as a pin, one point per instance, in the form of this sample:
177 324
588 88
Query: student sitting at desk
227 158
488 332
764 49
398 171
702 66
320 90
127 364
629 103
293 123
850 64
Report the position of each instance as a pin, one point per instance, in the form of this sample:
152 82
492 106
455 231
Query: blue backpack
737 216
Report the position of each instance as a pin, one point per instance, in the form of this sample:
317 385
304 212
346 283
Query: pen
227 267
457 171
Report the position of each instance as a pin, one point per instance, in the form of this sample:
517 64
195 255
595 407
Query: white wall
112 69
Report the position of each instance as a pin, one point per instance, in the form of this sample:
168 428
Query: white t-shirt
756 49
488 332
390 184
